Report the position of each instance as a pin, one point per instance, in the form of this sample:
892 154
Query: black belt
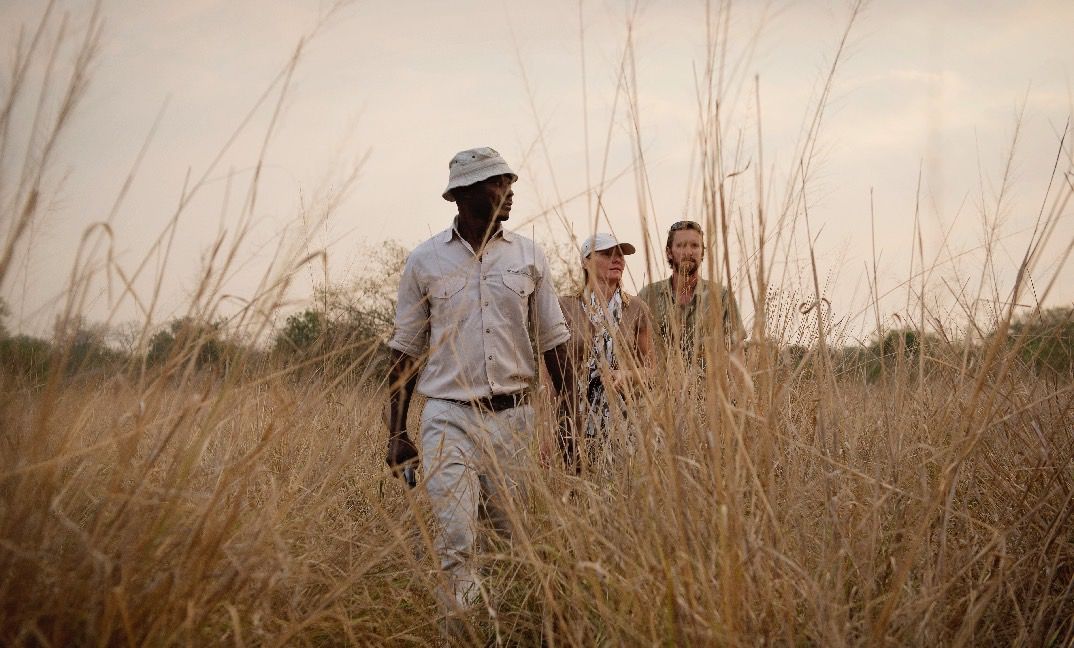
496 403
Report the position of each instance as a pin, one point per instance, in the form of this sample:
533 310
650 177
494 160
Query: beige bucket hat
474 165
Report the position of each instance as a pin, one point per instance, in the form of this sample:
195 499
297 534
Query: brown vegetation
259 511
803 499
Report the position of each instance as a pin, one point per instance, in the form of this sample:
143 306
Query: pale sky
404 85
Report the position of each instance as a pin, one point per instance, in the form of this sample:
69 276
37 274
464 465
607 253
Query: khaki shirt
474 320
687 326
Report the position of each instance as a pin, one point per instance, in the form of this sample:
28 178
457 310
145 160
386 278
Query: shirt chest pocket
520 282
447 287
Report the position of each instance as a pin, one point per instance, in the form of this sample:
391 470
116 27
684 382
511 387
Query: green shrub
82 347
898 348
344 339
4 312
25 358
347 329
186 339
301 333
1045 340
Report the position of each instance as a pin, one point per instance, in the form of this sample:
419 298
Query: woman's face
606 266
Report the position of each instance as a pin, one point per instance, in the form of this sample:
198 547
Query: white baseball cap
474 165
604 241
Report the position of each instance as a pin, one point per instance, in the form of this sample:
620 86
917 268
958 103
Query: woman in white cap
609 352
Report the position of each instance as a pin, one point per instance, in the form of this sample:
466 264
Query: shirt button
486 303
488 330
490 357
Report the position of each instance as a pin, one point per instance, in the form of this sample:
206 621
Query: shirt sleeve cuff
557 336
413 350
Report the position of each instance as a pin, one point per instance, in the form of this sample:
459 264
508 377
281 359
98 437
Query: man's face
686 251
491 198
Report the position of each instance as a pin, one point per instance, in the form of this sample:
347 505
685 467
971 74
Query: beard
687 267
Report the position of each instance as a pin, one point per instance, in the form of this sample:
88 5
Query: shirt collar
447 235
584 294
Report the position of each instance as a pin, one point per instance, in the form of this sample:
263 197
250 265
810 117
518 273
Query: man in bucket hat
473 302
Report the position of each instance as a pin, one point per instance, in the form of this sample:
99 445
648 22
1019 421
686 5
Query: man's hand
401 451
619 379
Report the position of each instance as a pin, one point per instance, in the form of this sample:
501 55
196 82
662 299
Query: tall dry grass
777 501
260 513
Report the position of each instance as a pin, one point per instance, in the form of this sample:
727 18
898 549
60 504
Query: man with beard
684 305
475 303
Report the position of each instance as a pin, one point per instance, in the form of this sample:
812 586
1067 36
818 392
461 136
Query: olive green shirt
687 326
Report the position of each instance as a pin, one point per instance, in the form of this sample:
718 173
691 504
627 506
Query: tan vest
633 340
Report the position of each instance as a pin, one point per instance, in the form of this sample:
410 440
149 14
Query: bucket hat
474 165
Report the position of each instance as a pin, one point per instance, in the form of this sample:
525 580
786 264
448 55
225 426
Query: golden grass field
258 511
787 502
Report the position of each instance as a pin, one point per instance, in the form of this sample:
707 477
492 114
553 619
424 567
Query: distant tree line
1041 342
341 335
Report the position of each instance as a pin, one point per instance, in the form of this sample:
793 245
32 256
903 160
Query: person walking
684 306
475 301
609 355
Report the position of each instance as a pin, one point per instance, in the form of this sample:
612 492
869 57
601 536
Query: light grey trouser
471 460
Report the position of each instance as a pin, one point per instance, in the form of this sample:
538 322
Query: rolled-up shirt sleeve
411 334
551 327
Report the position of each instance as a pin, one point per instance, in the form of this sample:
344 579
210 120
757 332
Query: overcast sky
935 86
